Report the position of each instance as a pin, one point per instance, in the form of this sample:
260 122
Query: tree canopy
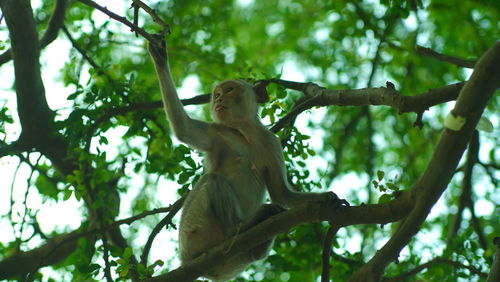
393 105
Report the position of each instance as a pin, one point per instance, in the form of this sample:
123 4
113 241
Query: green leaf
87 268
190 162
73 96
385 198
380 175
124 272
127 253
78 195
103 140
67 194
392 186
46 187
93 267
183 177
184 150
121 261
485 125
281 93
159 263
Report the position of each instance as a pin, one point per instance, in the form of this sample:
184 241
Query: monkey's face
233 103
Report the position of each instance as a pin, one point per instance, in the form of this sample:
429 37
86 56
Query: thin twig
327 249
432 263
25 203
107 266
11 211
119 18
84 54
445 58
128 221
154 15
166 220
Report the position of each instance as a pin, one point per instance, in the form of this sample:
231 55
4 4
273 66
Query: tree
384 75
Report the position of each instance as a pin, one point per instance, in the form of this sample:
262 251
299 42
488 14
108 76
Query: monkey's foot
334 201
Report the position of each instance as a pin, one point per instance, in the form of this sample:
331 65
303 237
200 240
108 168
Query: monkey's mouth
219 108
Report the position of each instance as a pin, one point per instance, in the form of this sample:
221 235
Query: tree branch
57 248
465 199
34 113
166 220
466 186
84 54
120 19
55 23
445 58
316 95
53 251
282 223
430 264
494 274
327 249
153 14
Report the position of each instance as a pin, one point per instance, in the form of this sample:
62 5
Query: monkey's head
236 101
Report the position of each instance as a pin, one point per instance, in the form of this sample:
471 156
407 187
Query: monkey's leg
210 214
263 213
237 264
223 203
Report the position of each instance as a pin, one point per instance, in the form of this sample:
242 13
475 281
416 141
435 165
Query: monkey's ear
261 92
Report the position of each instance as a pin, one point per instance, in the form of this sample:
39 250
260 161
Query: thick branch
34 113
55 23
470 105
316 95
53 251
57 248
283 222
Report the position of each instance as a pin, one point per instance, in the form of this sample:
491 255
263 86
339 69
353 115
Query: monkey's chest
238 163
234 163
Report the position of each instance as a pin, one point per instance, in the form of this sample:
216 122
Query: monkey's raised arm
187 130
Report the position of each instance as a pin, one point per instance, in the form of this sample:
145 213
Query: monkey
243 161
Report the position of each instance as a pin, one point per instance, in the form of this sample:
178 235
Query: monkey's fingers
157 47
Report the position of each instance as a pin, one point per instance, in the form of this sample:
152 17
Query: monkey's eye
216 95
229 89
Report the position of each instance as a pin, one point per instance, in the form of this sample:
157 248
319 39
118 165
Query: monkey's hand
158 49
334 201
